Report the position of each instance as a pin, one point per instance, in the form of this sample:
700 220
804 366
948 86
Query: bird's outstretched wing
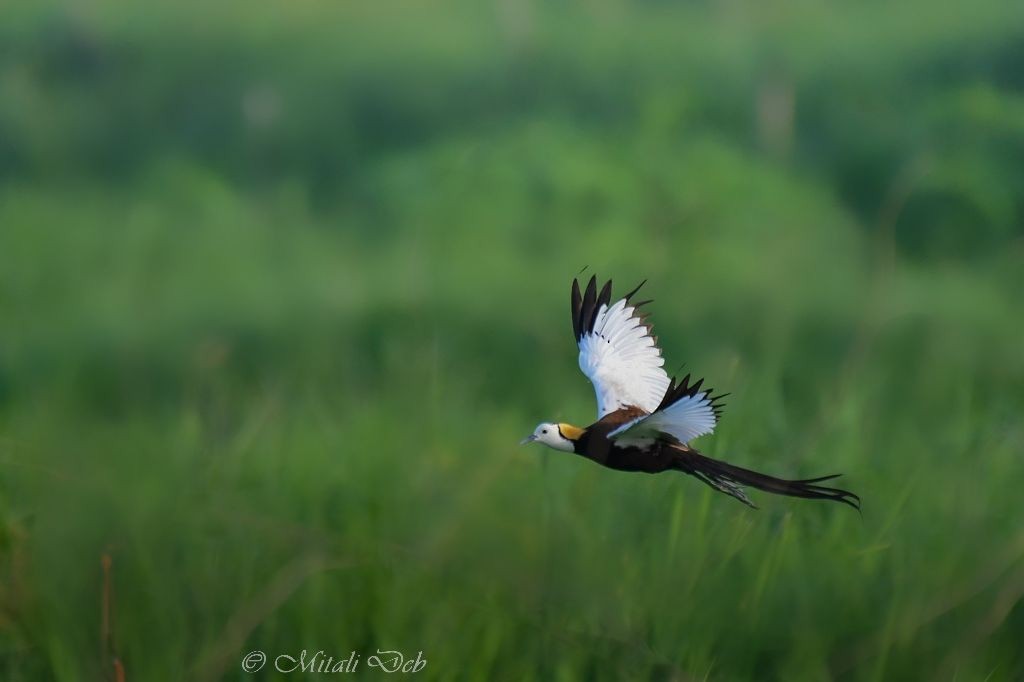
618 351
685 412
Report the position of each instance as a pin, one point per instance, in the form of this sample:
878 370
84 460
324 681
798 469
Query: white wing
618 353
685 413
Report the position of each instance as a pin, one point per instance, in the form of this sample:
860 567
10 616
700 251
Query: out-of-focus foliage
282 285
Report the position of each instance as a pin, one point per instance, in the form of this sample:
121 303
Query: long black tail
730 480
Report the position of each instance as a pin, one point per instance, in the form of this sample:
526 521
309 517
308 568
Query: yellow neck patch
569 431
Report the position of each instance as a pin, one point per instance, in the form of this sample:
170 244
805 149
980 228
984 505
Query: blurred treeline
281 286
868 97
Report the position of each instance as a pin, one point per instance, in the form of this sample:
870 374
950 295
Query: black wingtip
632 293
589 307
576 306
679 389
585 306
605 297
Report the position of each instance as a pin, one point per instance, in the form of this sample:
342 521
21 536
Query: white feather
686 419
622 361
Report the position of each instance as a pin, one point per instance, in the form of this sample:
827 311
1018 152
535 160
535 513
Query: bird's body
595 444
645 419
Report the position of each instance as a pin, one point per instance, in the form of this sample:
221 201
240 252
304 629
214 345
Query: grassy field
282 287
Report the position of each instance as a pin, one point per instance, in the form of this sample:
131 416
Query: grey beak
528 439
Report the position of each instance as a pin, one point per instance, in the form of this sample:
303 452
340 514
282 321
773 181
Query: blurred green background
283 284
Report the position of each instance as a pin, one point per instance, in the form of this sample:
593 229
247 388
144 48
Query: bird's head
557 436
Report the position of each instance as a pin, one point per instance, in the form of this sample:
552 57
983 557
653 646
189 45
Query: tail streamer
730 479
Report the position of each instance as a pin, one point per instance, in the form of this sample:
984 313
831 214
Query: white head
557 436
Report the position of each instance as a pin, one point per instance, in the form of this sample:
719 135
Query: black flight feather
586 306
589 306
605 297
577 305
632 293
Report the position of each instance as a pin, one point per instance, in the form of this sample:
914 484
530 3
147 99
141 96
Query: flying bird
646 420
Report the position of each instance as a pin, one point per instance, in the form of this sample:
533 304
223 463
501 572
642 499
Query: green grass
278 375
